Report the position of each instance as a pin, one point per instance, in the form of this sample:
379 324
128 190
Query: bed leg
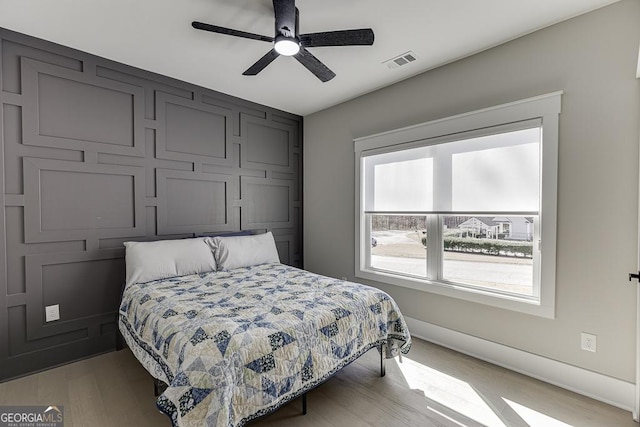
158 387
383 350
304 404
119 340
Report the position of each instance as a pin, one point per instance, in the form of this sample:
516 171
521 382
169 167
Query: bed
238 342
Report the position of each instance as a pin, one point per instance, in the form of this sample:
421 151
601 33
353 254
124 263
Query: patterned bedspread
235 345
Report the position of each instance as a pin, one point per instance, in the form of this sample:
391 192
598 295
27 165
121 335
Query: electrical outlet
52 312
588 342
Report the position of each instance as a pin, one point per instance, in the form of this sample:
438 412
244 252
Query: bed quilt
235 345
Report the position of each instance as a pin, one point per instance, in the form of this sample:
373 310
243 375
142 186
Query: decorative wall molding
180 212
193 131
46 286
95 153
267 145
75 200
60 110
258 196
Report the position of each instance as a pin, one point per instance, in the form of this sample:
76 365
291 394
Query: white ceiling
156 35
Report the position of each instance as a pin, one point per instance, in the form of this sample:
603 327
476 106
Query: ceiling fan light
287 46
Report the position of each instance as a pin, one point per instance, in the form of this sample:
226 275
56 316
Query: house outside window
456 206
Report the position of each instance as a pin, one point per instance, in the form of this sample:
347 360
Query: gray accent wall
593 59
96 153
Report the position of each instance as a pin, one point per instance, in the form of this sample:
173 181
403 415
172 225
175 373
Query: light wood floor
432 386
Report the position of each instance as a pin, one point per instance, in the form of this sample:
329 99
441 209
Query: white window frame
545 108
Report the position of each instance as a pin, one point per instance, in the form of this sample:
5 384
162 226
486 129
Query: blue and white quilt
235 345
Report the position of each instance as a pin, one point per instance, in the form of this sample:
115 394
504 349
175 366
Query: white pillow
147 261
244 251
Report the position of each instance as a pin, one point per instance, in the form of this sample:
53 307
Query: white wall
593 59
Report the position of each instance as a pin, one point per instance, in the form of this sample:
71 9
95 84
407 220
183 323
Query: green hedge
494 247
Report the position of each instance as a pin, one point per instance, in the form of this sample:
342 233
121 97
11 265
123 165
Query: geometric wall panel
66 115
193 131
266 144
71 200
68 277
190 202
266 203
75 200
284 251
93 154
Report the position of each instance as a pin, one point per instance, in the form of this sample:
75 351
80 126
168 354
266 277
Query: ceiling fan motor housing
285 18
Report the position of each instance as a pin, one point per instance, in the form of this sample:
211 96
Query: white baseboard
597 386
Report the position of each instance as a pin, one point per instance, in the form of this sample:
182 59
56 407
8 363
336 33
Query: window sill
508 302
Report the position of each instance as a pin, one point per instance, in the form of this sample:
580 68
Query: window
456 206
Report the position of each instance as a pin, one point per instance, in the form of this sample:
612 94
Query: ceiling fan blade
359 37
261 63
230 32
314 65
285 14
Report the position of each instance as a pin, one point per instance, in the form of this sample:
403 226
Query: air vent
401 60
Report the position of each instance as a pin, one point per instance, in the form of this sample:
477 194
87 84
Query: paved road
506 276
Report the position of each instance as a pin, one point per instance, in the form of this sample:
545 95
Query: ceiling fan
289 42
